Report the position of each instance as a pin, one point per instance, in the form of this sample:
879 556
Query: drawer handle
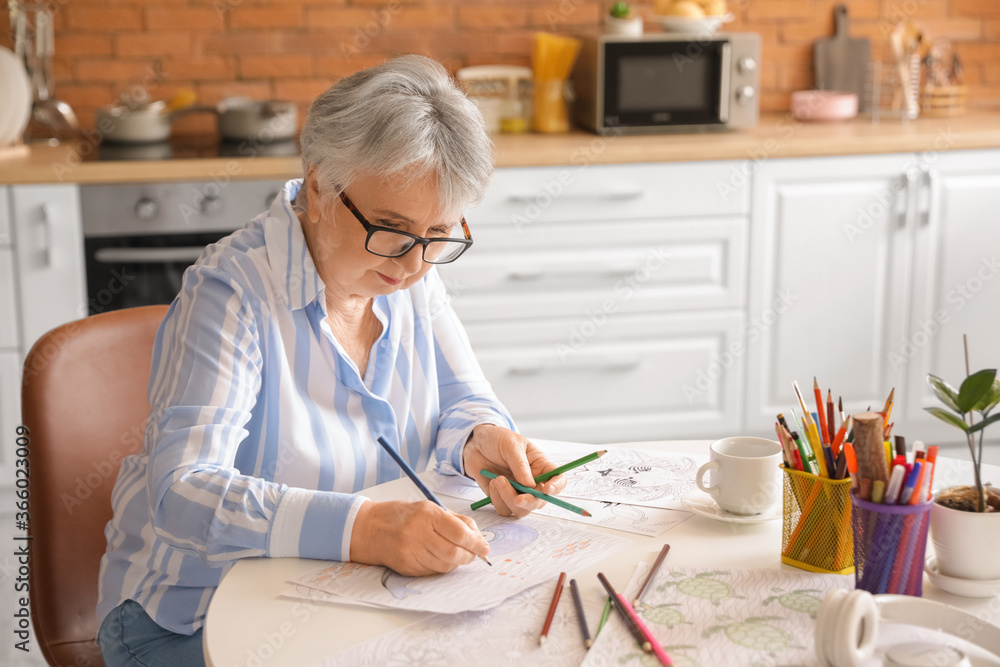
622 193
605 365
532 273
179 254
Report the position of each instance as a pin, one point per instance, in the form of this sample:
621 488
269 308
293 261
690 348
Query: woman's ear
312 196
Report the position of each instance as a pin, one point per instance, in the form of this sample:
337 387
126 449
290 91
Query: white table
249 624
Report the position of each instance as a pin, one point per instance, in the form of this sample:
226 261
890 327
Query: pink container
824 105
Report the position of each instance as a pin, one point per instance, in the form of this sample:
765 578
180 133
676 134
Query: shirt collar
287 253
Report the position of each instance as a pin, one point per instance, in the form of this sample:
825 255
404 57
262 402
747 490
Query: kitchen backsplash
294 49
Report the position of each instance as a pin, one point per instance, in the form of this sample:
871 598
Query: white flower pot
967 544
617 26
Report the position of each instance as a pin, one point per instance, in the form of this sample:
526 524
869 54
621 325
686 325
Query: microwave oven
667 82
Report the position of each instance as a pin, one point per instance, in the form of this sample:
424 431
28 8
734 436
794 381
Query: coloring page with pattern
524 552
704 618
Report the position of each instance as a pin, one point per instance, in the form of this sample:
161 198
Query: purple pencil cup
889 546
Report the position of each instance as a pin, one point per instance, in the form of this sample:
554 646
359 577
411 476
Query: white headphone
847 629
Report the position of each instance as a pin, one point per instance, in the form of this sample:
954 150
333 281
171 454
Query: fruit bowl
700 25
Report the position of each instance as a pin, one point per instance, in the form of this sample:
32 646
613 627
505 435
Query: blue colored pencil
419 482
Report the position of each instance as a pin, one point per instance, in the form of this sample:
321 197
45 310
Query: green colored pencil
538 494
546 476
604 617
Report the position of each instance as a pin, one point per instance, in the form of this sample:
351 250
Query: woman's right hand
414 538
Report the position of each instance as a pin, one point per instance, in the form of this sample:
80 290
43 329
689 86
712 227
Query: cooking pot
239 119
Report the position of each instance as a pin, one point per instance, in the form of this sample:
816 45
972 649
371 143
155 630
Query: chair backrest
84 404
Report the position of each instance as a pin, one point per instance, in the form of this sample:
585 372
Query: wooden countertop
777 136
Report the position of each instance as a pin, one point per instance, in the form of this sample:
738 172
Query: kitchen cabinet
49 254
867 250
600 299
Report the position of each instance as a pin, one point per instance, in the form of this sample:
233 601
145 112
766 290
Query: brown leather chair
84 403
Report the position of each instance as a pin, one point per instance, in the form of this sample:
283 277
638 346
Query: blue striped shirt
262 429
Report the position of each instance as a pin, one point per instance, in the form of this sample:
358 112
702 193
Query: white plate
705 505
969 588
707 24
15 97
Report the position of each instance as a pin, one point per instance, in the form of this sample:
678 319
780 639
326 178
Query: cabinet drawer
5 235
8 305
529 195
10 411
630 377
556 269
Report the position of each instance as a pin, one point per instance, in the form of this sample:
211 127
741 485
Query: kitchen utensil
824 105
243 119
15 99
841 62
52 117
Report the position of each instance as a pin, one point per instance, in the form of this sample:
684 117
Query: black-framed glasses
386 242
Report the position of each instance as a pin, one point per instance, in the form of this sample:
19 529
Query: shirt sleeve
467 399
206 375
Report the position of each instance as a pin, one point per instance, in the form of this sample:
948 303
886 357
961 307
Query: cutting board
841 62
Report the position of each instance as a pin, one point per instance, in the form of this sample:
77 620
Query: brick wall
294 49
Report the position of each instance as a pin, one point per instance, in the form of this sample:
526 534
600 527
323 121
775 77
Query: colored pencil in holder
816 523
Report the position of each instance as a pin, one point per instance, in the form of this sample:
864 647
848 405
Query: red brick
332 67
797 76
975 8
83 44
198 68
777 10
991 28
199 19
553 16
152 44
520 42
275 66
490 16
246 16
805 31
84 95
103 19
300 90
954 28
114 70
234 43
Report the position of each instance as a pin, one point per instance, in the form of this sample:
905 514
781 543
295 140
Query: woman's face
337 240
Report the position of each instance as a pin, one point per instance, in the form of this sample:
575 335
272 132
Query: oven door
665 83
131 271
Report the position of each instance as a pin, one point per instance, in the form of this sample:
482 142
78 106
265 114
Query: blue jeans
130 638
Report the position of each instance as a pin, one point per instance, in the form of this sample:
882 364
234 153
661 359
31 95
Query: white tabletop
249 624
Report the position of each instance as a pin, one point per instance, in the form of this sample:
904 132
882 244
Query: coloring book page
505 636
628 476
524 552
635 519
704 618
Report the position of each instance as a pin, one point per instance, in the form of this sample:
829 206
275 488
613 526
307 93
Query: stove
190 147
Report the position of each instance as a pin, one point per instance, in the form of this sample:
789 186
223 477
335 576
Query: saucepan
239 119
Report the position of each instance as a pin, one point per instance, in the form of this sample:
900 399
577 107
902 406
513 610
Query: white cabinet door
8 302
829 260
957 282
50 258
10 412
630 377
5 235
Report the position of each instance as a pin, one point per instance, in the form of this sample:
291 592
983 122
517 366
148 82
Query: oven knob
210 204
746 64
744 94
146 208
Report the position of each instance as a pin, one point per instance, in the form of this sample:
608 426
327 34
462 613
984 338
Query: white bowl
704 25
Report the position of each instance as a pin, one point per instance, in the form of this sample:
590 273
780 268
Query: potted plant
621 20
965 520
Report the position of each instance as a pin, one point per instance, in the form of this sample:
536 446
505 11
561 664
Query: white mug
746 478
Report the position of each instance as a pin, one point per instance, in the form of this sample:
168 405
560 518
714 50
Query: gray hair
403 118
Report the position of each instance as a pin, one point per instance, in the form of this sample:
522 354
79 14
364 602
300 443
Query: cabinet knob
210 204
745 65
146 208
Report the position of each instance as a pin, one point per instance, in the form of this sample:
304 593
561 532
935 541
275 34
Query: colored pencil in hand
546 476
580 615
652 572
401 462
552 608
538 494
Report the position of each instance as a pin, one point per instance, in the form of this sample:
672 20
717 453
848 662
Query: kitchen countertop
777 136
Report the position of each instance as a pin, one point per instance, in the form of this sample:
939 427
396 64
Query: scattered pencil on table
604 616
652 572
401 462
581 617
629 621
552 608
538 494
546 476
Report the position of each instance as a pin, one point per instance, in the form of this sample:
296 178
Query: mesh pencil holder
816 523
889 544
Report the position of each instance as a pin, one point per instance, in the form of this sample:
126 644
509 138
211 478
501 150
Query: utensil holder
889 545
816 523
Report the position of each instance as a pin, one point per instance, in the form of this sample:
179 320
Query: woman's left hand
506 453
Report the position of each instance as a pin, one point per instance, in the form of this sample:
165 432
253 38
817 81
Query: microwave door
724 83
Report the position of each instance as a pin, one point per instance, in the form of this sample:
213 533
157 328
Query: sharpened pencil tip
602 452
586 513
647 647
588 643
541 640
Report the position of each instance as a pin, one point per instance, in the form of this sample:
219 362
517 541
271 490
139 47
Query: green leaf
979 426
974 388
946 416
944 391
990 400
620 10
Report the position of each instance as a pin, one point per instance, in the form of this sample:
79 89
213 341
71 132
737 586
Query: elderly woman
294 344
